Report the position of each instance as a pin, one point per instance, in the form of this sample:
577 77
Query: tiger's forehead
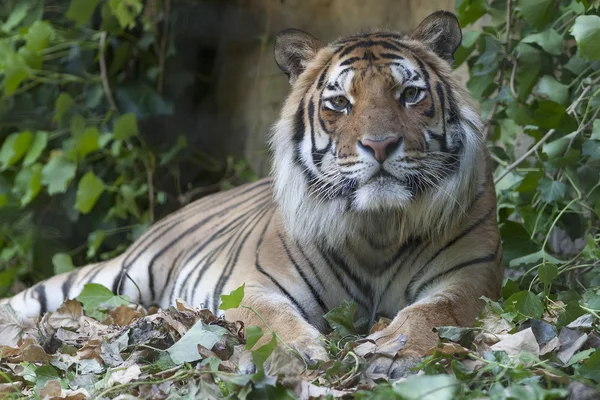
384 54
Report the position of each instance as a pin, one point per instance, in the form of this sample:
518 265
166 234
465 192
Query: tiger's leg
453 302
281 316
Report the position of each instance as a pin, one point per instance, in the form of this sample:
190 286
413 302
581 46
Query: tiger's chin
382 194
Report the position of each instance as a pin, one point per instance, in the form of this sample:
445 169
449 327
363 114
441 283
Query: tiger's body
382 194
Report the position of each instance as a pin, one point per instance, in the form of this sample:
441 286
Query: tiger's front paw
393 367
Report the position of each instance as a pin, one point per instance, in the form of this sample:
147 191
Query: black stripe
314 293
391 56
265 273
349 61
323 75
442 98
368 43
40 291
191 229
238 243
480 260
66 286
174 266
423 270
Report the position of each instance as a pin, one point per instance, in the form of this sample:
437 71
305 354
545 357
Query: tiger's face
375 123
378 130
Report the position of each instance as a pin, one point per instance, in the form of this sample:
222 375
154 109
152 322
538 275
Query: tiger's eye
340 102
410 93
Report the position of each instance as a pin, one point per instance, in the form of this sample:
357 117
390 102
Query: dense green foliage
83 171
73 149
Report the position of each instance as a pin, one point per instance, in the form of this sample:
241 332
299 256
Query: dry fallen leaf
12 327
35 353
520 341
51 389
125 375
67 316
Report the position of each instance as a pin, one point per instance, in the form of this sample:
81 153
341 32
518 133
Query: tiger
381 193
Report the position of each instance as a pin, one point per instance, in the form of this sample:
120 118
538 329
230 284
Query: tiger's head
376 133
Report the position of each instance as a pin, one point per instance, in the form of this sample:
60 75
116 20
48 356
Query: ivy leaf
87 142
126 126
469 11
596 130
591 368
260 355
126 12
38 36
40 140
81 11
550 190
186 349
233 299
17 15
427 387
88 191
551 89
95 240
527 304
14 148
466 47
63 102
547 272
557 147
536 12
529 65
28 183
57 174
341 319
586 31
95 297
253 335
14 74
591 148
62 263
549 40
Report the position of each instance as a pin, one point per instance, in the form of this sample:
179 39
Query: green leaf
586 31
13 76
591 368
81 11
28 183
549 40
87 142
186 349
126 12
233 299
126 126
547 272
591 148
62 263
253 335
260 355
466 47
534 258
44 374
77 125
527 304
454 333
551 89
38 36
88 191
537 12
510 287
17 15
40 140
591 300
529 66
63 102
57 174
341 319
427 387
95 240
469 11
596 130
550 191
14 148
95 297
557 147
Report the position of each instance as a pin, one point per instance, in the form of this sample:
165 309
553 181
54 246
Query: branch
104 74
163 48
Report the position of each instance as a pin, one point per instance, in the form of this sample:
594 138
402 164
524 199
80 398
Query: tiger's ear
294 49
441 33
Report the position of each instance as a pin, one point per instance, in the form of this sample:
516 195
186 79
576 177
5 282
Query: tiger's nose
380 148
